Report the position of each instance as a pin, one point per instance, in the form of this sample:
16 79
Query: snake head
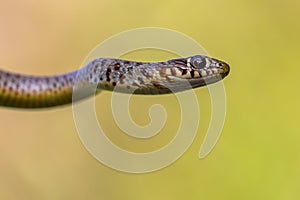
199 70
204 66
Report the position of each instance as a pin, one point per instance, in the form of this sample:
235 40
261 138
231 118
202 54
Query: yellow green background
258 154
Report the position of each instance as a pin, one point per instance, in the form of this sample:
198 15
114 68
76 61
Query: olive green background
258 154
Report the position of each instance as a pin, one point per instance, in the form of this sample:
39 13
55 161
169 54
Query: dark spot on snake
107 74
192 73
117 66
101 79
183 71
129 68
114 83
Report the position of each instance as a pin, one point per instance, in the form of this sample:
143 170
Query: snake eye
198 63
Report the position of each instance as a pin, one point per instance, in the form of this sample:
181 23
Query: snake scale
28 91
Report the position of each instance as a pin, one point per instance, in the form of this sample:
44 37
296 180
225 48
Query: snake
113 74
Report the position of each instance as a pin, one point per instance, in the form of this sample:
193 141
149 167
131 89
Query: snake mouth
199 82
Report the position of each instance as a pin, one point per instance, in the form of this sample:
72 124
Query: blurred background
258 154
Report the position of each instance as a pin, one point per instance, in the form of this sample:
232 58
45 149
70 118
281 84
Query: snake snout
218 66
225 68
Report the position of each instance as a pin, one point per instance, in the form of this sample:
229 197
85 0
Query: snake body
27 91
